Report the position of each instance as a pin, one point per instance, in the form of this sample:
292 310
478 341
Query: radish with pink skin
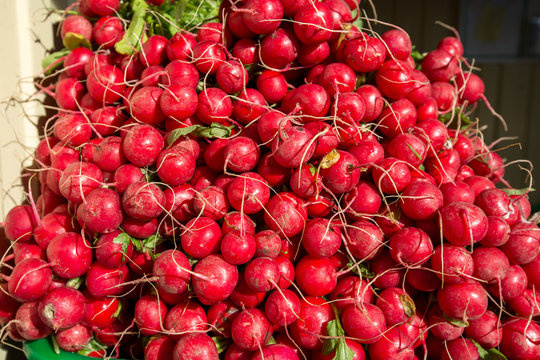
391 175
109 155
28 324
208 56
214 279
364 322
73 129
143 201
172 269
457 191
126 175
179 102
279 49
286 214
421 200
268 244
108 30
70 255
19 223
241 154
367 152
261 274
373 101
75 338
211 202
76 60
238 248
270 125
150 314
107 120
282 307
262 17
364 239
343 175
520 339
153 51
314 315
527 304
338 78
363 200
309 100
411 247
452 264
77 25
78 179
440 327
462 349
397 118
512 285
158 348
101 212
439 65
490 264
180 46
465 301
463 223
498 232
251 329
105 83
69 92
364 54
315 277
144 105
180 73
396 305
486 330
102 281
444 94
395 344
29 279
294 147
112 252
523 245
272 85
175 166
214 106
388 273
321 238
220 318
245 297
195 346
231 76
62 308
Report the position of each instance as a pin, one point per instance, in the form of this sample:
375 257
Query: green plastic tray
43 350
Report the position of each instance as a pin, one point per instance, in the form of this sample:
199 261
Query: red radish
245 297
62 308
439 65
100 312
28 324
145 193
286 214
272 85
314 315
111 251
396 305
262 17
70 255
29 279
175 166
76 60
251 329
387 272
236 221
19 223
109 154
397 118
73 129
105 83
108 30
214 106
279 49
337 78
268 244
460 348
364 239
294 147
211 202
249 106
261 274
69 92
398 43
351 290
394 79
463 223
159 348
246 51
208 56
463 301
343 175
486 330
421 200
523 245
153 51
101 212
391 175
440 327
364 54
78 26
321 239
273 173
102 281
150 314
411 247
241 154
126 175
172 269
316 277
75 338
520 339
180 73
395 344
231 76
452 45
276 351
78 180
214 279
106 121
365 322
452 264
282 307
490 264
195 346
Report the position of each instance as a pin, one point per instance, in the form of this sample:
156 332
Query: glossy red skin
272 85
512 285
70 255
235 23
50 226
153 51
367 152
28 324
179 102
107 120
326 140
434 133
282 307
143 201
364 239
220 317
102 281
294 147
76 60
279 49
180 73
125 175
398 118
457 191
185 317
421 92
490 264
69 92
388 273
395 344
397 305
364 53
407 147
159 348
313 54
100 312
489 165
72 129
262 18
245 297
246 51
314 315
479 184
175 166
144 105
251 329
232 76
8 305
241 154
520 339
29 280
315 277
109 155
310 100
440 327
460 348
463 223
321 239
351 290
313 23
180 46
411 247
78 179
365 323
108 30
195 346
221 276
211 202
337 78
452 264
463 301
523 246
421 200
286 270
391 175
105 83
532 270
305 182
363 200
208 56
249 106
268 244
269 126
238 248
486 330
439 65
261 274
214 106
274 174
77 24
109 253
276 351
395 80
498 232
170 268
344 175
59 162
62 308
286 214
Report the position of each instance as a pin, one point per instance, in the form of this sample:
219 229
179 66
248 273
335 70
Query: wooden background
512 84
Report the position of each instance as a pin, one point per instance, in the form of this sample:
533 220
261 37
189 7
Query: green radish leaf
53 61
75 283
197 12
422 167
137 244
456 322
337 343
490 354
215 130
517 192
134 35
271 341
152 242
221 342
91 347
312 169
73 40
361 269
118 311
123 239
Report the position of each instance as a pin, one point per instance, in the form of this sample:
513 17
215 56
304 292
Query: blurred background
502 36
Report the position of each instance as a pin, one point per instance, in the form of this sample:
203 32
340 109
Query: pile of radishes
276 184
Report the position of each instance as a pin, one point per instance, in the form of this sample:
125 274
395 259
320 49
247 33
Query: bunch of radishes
277 184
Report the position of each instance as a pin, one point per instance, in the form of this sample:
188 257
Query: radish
102 281
208 56
245 297
184 317
19 223
74 339
195 346
236 221
238 248
314 315
172 269
108 30
486 330
279 49
321 239
463 223
463 301
214 106
520 339
282 307
214 279
231 76
262 17
251 329
101 312
276 351
396 305
29 279
101 212
410 247
421 200
364 54
105 83
343 175
365 322
440 327
460 348
395 344
211 202
159 348
29 326
364 239
315 277
286 214
72 129
62 308
261 274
